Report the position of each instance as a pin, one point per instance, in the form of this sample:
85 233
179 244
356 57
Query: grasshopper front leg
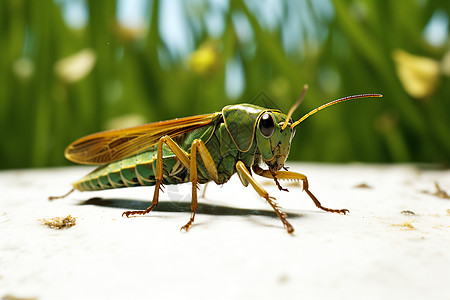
243 172
296 176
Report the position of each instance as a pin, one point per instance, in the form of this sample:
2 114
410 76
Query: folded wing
109 146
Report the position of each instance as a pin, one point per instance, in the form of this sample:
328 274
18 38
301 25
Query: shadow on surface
170 206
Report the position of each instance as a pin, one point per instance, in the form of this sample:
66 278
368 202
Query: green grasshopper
199 149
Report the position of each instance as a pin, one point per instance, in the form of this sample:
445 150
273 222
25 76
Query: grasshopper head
273 141
275 130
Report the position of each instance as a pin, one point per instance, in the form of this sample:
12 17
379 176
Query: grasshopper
199 149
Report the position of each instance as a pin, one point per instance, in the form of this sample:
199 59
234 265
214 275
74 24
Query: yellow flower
204 59
418 75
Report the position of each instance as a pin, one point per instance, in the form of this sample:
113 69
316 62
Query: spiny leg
274 176
242 170
180 154
208 161
151 207
298 176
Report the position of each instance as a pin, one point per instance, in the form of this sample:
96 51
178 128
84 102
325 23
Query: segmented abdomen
138 170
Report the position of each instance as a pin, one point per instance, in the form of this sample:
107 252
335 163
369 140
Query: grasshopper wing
109 146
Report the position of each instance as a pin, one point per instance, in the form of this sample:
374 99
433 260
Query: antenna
331 103
294 107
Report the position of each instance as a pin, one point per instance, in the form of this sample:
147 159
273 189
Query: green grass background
338 47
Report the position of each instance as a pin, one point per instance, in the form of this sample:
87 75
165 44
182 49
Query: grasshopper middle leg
208 161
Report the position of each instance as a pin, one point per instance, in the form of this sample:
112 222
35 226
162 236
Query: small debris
408 213
59 223
363 186
439 192
448 212
405 225
283 279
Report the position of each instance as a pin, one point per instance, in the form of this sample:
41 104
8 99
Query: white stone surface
237 247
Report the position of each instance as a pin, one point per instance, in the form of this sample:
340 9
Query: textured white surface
237 247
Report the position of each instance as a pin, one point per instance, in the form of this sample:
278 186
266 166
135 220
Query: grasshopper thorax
272 141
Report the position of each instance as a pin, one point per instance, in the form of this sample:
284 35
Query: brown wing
109 146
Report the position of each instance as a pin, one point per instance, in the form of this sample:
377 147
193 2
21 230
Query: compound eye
266 125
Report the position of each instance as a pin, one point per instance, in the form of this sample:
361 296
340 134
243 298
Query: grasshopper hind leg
159 172
190 164
151 207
